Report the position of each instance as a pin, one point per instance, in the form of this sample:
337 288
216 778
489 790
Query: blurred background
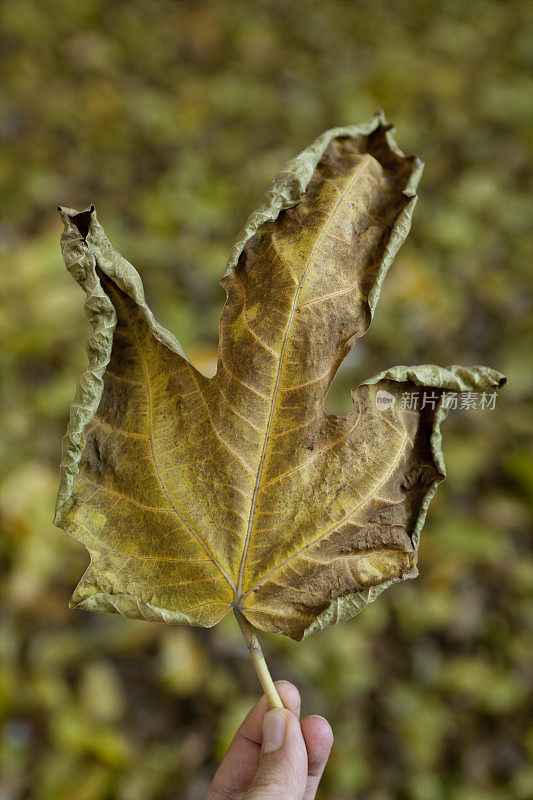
172 117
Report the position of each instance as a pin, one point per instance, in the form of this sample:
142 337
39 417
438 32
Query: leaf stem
258 659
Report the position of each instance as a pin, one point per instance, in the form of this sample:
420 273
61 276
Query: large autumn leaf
194 495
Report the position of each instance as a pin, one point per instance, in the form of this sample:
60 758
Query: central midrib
238 590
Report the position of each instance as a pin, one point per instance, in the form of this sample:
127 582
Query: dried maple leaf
196 496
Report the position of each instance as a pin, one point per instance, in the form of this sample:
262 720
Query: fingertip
318 729
318 737
320 726
290 696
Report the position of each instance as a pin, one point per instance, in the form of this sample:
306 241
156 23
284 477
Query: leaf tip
502 380
80 219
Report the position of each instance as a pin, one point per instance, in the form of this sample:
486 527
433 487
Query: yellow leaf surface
197 495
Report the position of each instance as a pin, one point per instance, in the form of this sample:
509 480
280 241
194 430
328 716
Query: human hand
274 756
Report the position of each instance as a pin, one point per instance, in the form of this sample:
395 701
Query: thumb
282 771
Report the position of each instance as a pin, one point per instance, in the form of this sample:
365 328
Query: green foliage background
172 117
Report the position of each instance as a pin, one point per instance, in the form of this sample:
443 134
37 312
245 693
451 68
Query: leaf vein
98 419
163 485
313 457
334 527
278 379
220 439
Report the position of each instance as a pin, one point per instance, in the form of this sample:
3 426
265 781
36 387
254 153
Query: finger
282 771
318 738
252 727
240 763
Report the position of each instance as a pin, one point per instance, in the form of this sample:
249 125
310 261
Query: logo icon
384 400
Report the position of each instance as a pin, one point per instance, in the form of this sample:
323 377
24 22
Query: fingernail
274 723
